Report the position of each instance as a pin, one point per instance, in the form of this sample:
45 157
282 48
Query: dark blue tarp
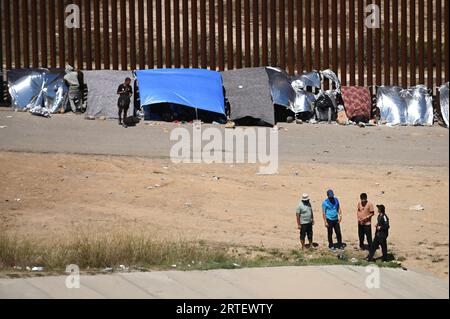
196 88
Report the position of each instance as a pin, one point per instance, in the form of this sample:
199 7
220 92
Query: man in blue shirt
332 216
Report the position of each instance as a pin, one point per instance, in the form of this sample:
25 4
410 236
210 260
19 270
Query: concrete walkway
263 283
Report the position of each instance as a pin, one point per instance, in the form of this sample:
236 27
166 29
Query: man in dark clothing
125 91
381 235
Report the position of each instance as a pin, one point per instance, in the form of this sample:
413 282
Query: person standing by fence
125 91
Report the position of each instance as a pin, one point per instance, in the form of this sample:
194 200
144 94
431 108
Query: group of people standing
332 218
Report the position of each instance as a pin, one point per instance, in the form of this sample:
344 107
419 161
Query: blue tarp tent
196 88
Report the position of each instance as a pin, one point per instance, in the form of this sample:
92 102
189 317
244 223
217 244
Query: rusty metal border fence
410 46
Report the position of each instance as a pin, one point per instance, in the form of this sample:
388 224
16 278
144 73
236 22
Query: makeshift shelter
40 91
248 93
357 102
181 94
443 93
102 93
412 106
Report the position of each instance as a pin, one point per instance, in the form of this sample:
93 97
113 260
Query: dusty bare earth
46 194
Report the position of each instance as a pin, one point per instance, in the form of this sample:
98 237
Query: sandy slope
60 193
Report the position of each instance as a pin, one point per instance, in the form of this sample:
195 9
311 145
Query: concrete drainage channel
310 282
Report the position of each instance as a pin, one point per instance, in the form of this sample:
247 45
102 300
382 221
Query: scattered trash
241 86
298 122
417 208
9 117
237 265
354 260
174 266
17 199
108 270
230 125
157 186
3 127
37 269
17 268
123 268
313 121
150 187
188 205
216 178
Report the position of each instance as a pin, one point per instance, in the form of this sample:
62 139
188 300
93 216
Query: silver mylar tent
443 92
292 93
40 91
412 106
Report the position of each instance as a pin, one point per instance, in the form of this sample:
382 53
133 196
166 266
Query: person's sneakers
125 126
332 248
120 123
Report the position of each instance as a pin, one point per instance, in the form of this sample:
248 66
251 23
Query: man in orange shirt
365 212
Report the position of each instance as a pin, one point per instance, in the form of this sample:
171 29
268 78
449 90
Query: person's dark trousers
379 240
334 225
365 231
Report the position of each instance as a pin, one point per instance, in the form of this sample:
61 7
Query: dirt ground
47 194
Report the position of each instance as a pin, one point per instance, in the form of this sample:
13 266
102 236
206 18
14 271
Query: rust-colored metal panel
317 35
132 33
194 34
106 42
141 27
421 41
248 52
88 32
387 46
97 37
203 35
26 33
369 53
256 43
238 34
79 41
230 41
412 42
291 50
43 35
446 47
168 34
404 42
186 55
212 34
16 32
378 53
361 69
343 31
326 34
61 33
273 33
430 50
282 36
221 35
438 56
159 35
114 36
299 53
351 43
264 33
176 36
150 39
395 77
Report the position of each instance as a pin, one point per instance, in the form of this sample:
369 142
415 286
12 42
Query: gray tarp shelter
248 92
102 93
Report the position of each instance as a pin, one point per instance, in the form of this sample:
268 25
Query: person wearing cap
365 212
381 234
332 216
125 91
305 220
73 82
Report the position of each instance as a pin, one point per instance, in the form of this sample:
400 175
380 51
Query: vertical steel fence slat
230 41
168 34
256 43
299 53
176 36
